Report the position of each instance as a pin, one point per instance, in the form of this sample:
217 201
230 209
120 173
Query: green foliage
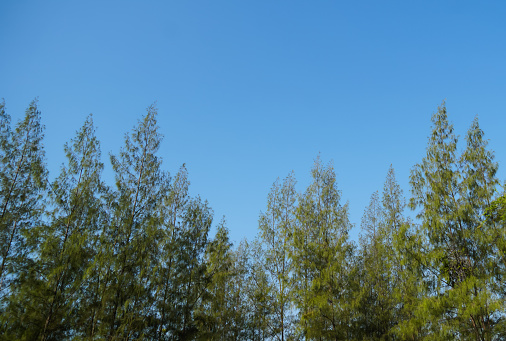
128 254
83 261
321 254
453 192
216 315
23 182
66 243
165 273
276 228
377 274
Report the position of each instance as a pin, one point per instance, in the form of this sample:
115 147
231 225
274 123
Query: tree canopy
137 259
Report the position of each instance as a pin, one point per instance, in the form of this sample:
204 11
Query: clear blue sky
248 91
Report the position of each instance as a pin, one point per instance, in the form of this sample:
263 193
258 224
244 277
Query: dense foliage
80 259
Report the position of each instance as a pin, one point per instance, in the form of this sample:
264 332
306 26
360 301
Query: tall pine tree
452 193
52 301
128 257
23 179
321 253
276 227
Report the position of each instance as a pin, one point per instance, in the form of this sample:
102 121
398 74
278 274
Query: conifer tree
216 315
260 295
388 286
377 292
400 240
52 300
480 240
192 279
23 181
180 278
452 193
322 254
165 276
276 228
128 256
243 310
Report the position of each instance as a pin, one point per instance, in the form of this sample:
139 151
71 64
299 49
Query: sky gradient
248 91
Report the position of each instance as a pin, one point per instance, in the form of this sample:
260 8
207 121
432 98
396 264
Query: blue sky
248 91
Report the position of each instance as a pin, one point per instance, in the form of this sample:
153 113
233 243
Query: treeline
81 259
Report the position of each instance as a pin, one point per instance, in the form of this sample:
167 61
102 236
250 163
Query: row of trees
84 260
